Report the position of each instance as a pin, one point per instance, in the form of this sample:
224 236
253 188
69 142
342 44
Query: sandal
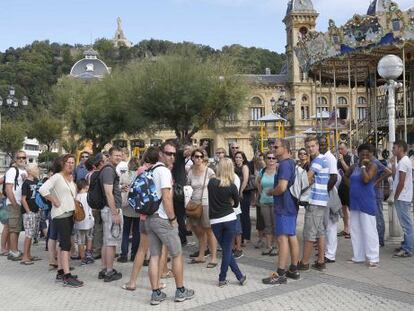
4 253
127 287
26 263
211 265
35 258
347 235
195 261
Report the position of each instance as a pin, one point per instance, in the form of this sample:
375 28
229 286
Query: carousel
351 54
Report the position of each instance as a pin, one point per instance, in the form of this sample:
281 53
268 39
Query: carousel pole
405 96
350 95
335 109
375 95
320 99
355 105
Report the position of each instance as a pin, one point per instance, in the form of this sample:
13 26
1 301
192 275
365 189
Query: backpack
299 188
142 196
40 201
16 178
96 195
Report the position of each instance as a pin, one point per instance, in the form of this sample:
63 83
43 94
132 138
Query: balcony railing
382 106
254 123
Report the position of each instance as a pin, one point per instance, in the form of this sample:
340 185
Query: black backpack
96 194
16 178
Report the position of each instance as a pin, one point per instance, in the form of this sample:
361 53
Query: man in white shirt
14 179
332 212
403 195
163 229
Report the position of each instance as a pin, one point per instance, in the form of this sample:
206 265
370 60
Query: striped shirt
319 190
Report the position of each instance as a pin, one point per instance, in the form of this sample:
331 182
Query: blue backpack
40 201
142 195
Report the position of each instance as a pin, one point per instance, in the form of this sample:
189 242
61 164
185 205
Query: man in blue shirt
285 213
314 228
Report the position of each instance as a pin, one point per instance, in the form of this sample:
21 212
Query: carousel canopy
273 117
358 45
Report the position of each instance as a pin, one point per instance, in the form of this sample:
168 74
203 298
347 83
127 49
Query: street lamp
282 106
390 67
12 103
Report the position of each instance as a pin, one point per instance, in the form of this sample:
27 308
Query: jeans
380 221
128 222
403 211
224 233
245 215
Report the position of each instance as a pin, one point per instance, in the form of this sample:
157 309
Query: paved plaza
342 286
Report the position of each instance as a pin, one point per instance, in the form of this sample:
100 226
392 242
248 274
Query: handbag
79 213
195 209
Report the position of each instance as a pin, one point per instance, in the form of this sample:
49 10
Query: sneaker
293 274
101 274
267 251
87 261
113 276
319 266
238 254
146 263
157 297
122 259
223 283
302 266
182 296
59 277
274 279
273 252
14 256
35 241
72 281
402 254
259 244
327 260
243 280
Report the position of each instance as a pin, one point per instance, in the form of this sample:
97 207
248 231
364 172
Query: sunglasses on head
21 158
170 154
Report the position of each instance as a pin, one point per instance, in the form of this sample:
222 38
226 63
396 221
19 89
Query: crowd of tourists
119 209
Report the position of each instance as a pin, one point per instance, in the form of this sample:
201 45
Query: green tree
46 129
184 93
11 137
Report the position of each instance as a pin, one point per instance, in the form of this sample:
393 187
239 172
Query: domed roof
300 6
89 67
380 6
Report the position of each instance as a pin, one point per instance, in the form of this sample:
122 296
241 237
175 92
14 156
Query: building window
256 101
304 111
343 113
319 109
322 101
232 117
362 113
362 100
342 101
256 113
31 147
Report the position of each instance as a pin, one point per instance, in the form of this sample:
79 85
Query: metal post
356 103
405 97
375 111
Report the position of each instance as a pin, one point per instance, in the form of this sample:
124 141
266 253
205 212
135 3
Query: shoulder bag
79 213
194 209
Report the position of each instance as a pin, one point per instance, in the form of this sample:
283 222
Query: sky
215 23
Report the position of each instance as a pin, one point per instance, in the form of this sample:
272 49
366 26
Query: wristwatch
172 219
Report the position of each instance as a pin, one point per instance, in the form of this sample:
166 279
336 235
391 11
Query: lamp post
282 106
12 103
390 67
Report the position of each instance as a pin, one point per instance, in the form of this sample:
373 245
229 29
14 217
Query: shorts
238 225
43 218
64 228
31 223
285 225
161 232
15 219
203 221
53 233
112 234
84 236
4 213
268 218
314 226
143 226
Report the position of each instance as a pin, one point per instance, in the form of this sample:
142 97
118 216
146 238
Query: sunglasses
303 153
198 157
170 154
275 147
271 158
234 147
21 158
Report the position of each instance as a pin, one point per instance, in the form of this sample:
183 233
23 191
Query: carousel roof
359 44
272 117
